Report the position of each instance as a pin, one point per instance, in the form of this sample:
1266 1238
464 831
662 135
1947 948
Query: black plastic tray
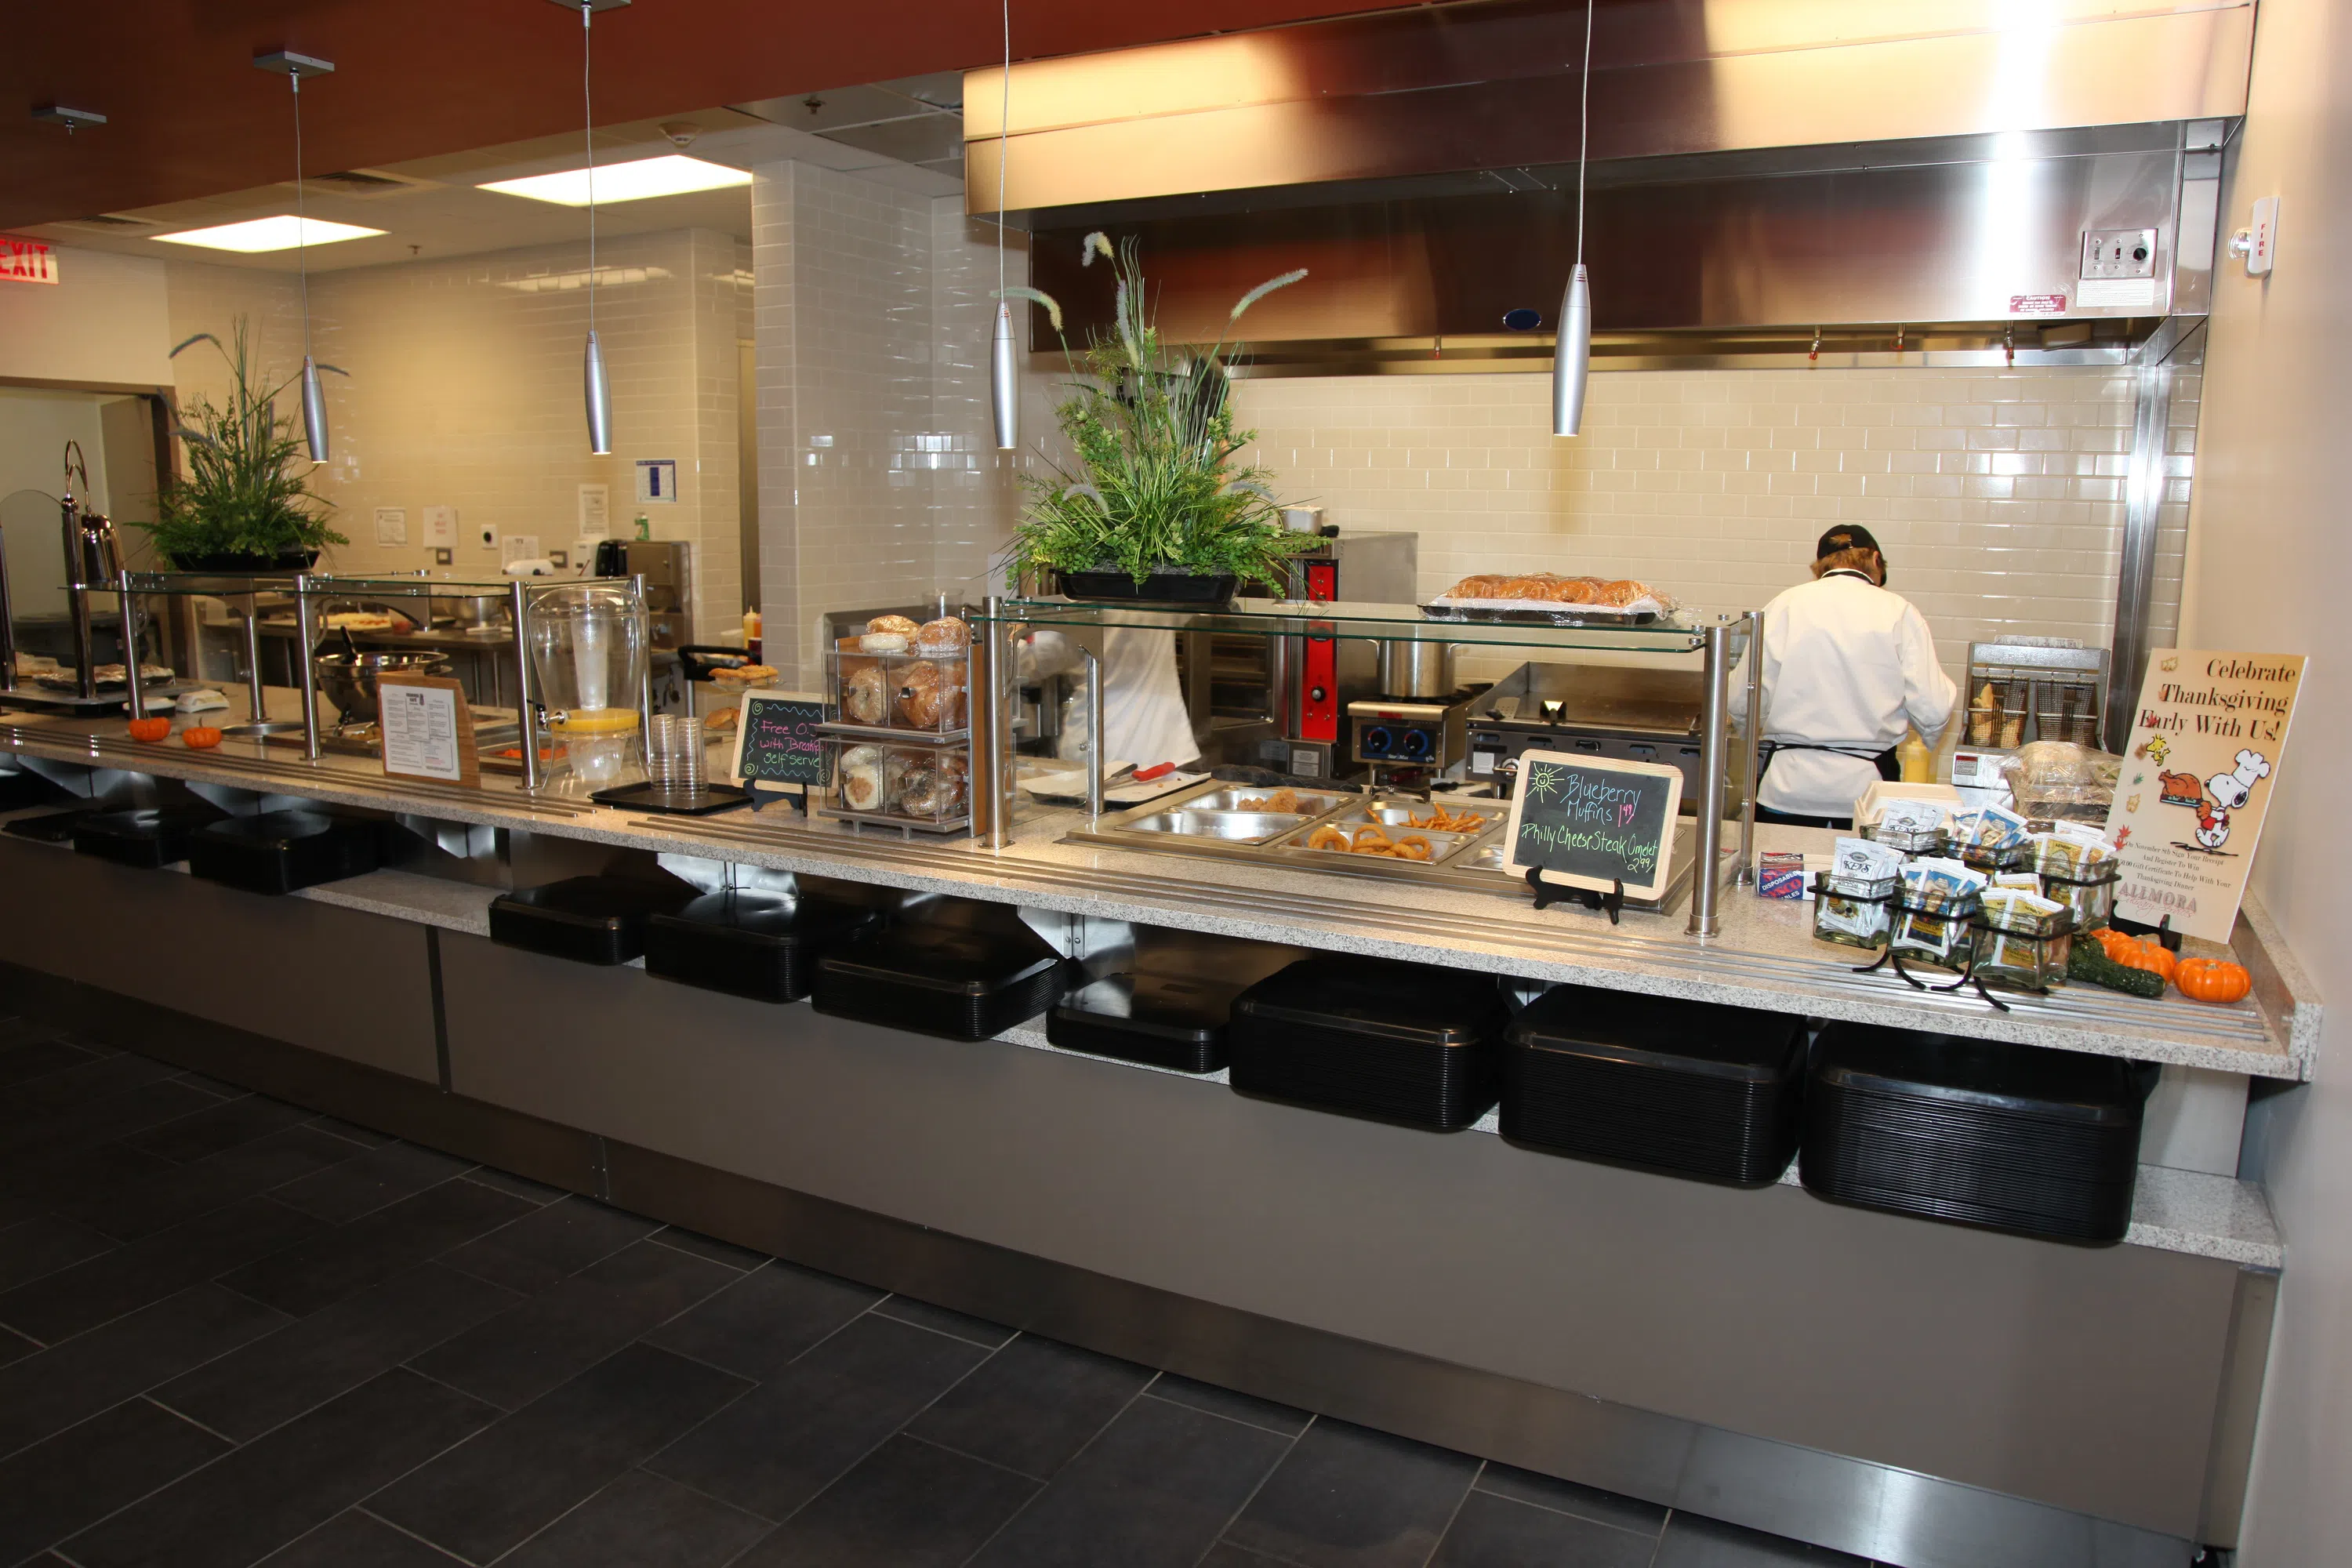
52 826
148 837
705 801
968 976
1396 1042
758 944
590 919
281 851
1688 1088
1162 1020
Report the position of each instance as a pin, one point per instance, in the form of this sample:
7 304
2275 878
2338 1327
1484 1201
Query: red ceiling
188 116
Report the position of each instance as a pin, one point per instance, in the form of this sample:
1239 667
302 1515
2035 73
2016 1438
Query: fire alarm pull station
2258 241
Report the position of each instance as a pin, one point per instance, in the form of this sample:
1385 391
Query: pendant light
595 385
1571 354
1004 379
314 396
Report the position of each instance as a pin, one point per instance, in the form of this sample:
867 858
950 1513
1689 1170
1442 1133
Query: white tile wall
1999 496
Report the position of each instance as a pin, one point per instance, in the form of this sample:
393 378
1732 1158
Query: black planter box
966 977
1160 1020
150 838
2013 1138
1396 1042
589 920
762 945
281 851
1685 1088
1160 587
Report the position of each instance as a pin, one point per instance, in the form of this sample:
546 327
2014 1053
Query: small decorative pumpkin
202 738
2213 979
149 729
2144 954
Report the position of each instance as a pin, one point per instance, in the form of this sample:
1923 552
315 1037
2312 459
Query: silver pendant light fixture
595 385
1003 366
1571 354
314 396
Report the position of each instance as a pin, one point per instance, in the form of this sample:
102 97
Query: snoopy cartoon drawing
2226 793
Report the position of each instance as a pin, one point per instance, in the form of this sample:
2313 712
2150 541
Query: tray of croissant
1545 598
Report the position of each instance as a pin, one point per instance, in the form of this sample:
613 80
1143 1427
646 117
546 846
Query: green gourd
2086 960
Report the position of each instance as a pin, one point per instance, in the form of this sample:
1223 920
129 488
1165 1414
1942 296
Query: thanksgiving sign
2206 743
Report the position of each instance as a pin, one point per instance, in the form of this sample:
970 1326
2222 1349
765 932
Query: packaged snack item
2023 942
1939 899
1855 900
2077 866
1781 874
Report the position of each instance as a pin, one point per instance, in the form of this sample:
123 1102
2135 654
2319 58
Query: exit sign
26 260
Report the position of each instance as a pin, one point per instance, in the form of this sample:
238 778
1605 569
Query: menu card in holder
1594 823
428 728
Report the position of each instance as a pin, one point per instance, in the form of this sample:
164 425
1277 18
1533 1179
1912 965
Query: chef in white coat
1145 720
1847 665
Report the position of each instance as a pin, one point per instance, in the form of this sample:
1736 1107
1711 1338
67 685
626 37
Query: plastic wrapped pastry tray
1398 1042
589 920
2036 1142
1175 1021
280 851
764 945
150 838
1686 1088
958 979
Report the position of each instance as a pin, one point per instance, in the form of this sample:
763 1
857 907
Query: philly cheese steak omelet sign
1592 822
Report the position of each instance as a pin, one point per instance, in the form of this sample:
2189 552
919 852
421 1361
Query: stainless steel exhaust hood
1783 175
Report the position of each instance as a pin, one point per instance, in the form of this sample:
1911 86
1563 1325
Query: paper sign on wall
391 525
2207 740
596 512
441 527
657 479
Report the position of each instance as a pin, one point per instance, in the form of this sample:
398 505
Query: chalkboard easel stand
1549 893
759 797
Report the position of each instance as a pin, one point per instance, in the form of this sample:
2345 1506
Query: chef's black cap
1845 536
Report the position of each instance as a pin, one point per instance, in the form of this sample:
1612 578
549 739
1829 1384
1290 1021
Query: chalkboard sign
1592 822
776 740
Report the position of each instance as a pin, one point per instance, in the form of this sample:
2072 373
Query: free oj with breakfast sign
2207 741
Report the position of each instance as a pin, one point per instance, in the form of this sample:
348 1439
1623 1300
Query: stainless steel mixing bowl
349 680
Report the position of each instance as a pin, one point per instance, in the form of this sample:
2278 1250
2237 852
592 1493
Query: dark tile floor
233 1332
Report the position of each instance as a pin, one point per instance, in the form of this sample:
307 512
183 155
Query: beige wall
2271 571
103 321
1997 495
464 389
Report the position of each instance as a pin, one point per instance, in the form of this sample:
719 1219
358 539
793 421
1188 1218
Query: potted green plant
1150 504
241 507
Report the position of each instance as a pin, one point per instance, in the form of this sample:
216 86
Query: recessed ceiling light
669 175
283 232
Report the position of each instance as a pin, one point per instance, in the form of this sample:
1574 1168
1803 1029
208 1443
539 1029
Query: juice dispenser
588 654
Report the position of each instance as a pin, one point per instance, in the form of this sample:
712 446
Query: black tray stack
961 969
2035 1142
1396 1042
282 851
763 945
1685 1087
1176 1021
148 837
589 920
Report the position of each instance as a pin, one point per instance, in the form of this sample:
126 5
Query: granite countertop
1764 957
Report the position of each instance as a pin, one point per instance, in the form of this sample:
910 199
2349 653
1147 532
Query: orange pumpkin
2212 980
203 738
149 729
2144 954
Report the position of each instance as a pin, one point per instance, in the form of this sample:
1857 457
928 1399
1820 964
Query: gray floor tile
272 1491
642 1521
48 1390
515 1357
106 1120
331 1352
1691 1541
782 1444
144 1271
86 1472
1226 1555
1244 1408
520 1186
907 1504
219 1127
43 1244
380 1177
1152 1490
355 1539
537 1464
742 1258
345 1260
14 1345
149 1200
22 1060
40 1098
1032 1406
940 1320
764 1321
1493 1531
550 1245
1348 1497
54 1178
1567 1497
367 1137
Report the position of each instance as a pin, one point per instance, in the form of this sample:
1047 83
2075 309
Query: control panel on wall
2118 269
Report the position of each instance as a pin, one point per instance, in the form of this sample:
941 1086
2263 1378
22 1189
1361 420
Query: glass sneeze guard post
1715 702
646 686
1093 738
306 663
992 741
130 643
7 623
526 722
1753 738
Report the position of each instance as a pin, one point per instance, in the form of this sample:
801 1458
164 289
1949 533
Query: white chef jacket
1846 663
1145 720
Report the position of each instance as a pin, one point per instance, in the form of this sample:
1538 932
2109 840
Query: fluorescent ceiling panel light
670 175
283 232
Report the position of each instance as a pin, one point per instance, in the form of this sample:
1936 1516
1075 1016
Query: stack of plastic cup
676 760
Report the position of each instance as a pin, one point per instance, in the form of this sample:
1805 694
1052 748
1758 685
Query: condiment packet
1906 816
1989 828
1856 900
1940 894
2018 925
2028 880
